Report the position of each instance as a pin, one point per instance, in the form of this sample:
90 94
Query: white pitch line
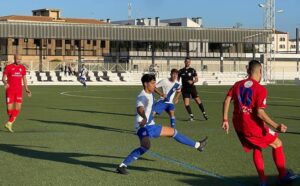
69 93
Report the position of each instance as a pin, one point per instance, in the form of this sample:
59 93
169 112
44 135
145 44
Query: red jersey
248 96
14 74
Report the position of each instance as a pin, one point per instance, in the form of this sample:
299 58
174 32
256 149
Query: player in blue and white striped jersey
171 92
147 128
82 75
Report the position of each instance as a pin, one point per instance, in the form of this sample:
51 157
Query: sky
215 13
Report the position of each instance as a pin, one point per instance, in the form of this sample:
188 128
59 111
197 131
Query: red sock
9 112
279 160
15 113
259 164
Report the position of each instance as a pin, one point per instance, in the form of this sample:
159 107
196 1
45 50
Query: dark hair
253 64
146 78
174 70
187 58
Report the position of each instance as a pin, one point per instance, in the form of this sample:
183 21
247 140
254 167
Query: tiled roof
50 19
280 32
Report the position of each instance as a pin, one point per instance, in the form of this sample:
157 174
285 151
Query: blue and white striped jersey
145 100
169 88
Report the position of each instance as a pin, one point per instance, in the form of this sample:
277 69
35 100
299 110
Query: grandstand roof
23 29
45 19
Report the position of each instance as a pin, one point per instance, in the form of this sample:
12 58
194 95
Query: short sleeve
194 73
6 70
261 100
179 86
230 91
159 84
141 101
23 71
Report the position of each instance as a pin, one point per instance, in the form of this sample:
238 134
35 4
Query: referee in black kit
188 77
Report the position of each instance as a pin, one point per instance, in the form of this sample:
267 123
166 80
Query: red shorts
263 141
14 96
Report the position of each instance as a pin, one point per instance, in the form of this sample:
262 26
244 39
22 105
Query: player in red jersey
250 119
13 76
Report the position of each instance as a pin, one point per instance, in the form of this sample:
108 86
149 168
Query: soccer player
147 129
189 77
13 76
250 119
171 92
82 75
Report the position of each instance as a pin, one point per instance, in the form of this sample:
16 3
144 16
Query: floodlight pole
269 23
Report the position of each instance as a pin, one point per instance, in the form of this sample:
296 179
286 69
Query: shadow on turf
290 117
63 157
72 158
93 112
111 129
282 105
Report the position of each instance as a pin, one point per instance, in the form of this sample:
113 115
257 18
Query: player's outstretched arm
141 111
264 116
26 87
226 105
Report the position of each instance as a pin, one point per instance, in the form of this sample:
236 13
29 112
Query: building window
49 41
88 42
15 42
175 24
282 39
25 40
68 42
58 43
37 42
293 46
103 44
94 42
281 46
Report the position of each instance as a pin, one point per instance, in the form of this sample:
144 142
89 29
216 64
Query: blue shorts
151 131
82 79
160 106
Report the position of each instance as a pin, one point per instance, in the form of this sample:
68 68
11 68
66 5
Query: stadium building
48 41
51 48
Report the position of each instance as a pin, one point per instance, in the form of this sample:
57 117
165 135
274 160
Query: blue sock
173 122
134 155
183 139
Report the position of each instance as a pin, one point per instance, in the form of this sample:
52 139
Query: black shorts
188 92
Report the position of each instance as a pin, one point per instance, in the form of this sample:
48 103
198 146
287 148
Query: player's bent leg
278 157
134 155
285 177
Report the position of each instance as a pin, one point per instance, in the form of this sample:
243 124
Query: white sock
123 165
197 145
